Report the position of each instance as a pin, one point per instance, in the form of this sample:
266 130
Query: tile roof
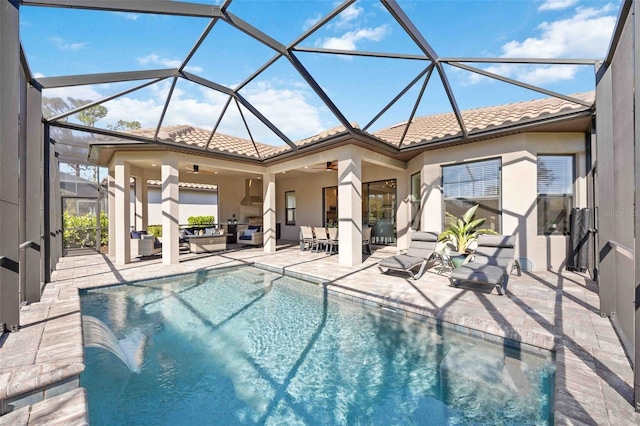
429 128
433 127
189 185
195 137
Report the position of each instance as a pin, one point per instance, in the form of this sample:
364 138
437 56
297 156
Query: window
330 206
467 184
290 201
555 193
415 201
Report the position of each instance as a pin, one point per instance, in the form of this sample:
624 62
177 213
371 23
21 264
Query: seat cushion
245 237
136 235
479 273
401 261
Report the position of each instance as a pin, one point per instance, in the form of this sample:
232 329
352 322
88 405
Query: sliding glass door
378 209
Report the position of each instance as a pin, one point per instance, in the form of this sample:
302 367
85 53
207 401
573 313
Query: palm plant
461 232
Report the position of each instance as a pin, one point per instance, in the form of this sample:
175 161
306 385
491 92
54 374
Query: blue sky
70 41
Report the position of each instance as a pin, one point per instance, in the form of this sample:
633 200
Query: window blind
469 180
555 174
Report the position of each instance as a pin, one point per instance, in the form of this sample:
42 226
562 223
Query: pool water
247 346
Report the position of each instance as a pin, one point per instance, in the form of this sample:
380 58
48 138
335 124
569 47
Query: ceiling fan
195 169
331 165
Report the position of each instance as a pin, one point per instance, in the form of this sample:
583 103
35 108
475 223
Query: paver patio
541 311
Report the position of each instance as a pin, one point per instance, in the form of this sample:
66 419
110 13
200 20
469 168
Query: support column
57 208
142 202
122 211
269 212
111 199
170 212
53 190
33 170
350 207
9 212
636 113
403 209
47 146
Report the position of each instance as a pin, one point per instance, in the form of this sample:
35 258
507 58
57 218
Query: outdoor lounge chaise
421 250
492 263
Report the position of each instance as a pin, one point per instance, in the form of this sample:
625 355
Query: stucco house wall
518 154
192 203
308 191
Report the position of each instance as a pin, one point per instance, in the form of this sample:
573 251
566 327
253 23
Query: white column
111 198
350 207
170 211
403 210
142 202
122 211
269 212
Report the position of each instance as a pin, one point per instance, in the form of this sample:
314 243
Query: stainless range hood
252 192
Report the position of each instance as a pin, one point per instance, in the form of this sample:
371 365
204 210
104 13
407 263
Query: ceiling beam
315 27
110 77
398 96
520 84
103 100
208 83
360 53
401 17
253 32
321 94
248 105
165 107
531 61
157 7
415 106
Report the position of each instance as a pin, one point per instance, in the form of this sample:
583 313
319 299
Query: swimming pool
246 346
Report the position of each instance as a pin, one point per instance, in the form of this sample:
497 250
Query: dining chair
333 240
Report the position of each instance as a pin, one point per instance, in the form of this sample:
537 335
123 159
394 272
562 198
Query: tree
91 115
124 125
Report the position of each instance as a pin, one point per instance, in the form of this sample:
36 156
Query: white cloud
348 40
153 59
557 4
310 22
538 75
348 17
288 109
64 45
85 93
128 16
585 35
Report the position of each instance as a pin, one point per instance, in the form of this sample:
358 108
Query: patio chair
252 236
366 239
332 241
306 238
421 250
321 238
492 263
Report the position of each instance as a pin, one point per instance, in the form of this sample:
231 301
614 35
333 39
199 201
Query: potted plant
461 232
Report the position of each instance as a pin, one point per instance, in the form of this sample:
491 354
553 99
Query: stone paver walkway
550 310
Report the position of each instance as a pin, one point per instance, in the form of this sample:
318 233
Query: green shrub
201 220
79 231
155 230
